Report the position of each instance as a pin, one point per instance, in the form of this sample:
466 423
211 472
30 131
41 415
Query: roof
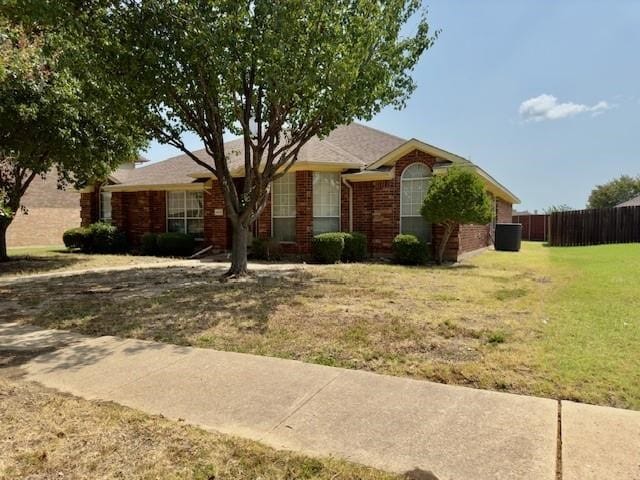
634 202
353 147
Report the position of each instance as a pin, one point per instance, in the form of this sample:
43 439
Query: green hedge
76 238
96 238
176 244
149 244
340 246
409 250
355 247
266 249
328 247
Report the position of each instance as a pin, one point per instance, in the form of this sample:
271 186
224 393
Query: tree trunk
4 225
448 228
238 266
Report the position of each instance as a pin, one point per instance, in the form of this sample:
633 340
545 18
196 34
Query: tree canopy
275 73
51 119
614 192
457 198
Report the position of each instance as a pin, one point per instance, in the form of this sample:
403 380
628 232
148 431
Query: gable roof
353 147
634 202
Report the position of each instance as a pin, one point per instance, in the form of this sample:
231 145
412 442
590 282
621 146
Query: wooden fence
596 226
535 227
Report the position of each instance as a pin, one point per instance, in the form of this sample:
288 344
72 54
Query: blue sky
574 63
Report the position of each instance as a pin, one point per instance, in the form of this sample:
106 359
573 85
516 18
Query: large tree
276 73
614 192
457 198
51 119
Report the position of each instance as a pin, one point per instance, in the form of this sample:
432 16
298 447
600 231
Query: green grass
592 342
554 322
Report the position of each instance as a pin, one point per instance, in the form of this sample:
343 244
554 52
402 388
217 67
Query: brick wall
382 198
50 211
216 227
505 211
304 211
89 206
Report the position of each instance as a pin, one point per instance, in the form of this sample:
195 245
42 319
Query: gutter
350 187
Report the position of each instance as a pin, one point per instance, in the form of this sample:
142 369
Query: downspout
350 187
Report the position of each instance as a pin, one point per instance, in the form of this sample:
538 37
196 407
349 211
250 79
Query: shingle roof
634 202
350 144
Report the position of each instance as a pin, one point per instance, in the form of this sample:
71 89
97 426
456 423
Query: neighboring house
634 202
356 179
49 213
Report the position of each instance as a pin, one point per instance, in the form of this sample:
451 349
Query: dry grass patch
45 435
32 260
536 322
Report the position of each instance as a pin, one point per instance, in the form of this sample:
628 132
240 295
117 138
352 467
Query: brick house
49 212
356 179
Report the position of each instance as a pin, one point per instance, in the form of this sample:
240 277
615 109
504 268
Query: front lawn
32 260
557 322
46 434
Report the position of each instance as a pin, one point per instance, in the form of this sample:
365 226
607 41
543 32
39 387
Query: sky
542 94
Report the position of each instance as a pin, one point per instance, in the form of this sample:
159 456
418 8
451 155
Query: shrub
149 244
408 250
106 238
266 249
76 238
328 247
176 244
355 247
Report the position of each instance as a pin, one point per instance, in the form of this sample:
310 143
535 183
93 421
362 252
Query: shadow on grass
174 305
29 264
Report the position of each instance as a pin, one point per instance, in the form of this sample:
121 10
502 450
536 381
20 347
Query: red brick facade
376 213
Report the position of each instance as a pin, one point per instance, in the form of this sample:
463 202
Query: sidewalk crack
305 401
559 444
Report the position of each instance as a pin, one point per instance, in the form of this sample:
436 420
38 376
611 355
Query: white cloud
546 107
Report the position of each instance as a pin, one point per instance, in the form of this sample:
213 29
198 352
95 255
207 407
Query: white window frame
402 179
184 217
313 216
101 216
292 177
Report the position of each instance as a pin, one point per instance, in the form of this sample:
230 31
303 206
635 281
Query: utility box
508 237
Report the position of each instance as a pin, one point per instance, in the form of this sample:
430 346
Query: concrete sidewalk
391 423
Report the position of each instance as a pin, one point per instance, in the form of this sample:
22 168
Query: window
283 208
185 212
413 188
326 202
105 206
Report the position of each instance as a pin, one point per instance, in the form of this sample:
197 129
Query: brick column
304 211
88 208
216 227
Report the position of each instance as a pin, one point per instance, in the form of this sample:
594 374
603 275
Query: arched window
413 188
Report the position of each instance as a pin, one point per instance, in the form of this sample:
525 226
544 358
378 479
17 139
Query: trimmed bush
77 238
106 238
176 244
149 244
266 249
355 247
328 247
409 250
96 238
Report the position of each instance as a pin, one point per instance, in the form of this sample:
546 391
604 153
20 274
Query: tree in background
275 73
456 198
557 208
614 192
50 119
